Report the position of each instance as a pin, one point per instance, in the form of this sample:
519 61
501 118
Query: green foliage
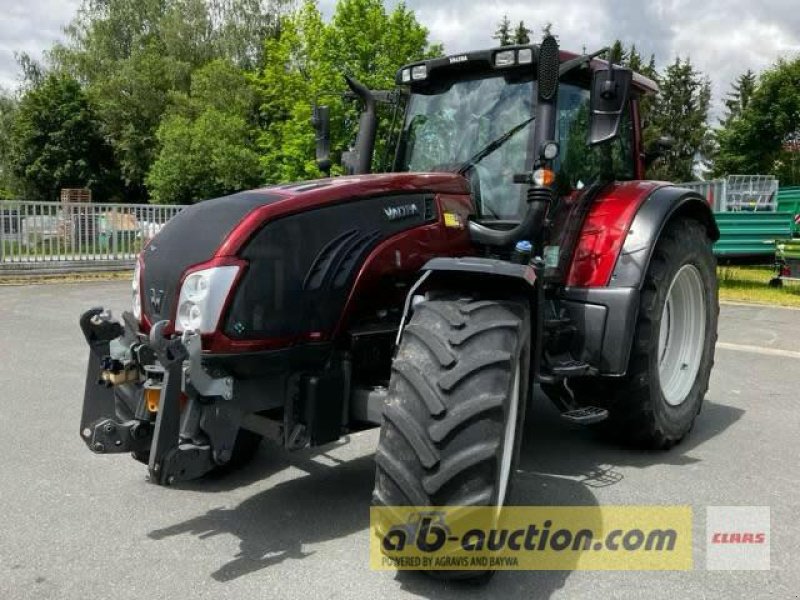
206 141
681 112
522 35
56 142
762 134
503 33
134 55
739 97
306 63
8 109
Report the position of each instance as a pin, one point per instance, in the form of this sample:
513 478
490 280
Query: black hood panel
191 237
302 267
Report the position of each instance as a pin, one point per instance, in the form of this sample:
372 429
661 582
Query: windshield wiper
491 147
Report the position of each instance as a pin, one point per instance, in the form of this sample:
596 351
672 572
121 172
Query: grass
751 284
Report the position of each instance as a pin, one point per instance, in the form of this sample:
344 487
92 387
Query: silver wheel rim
508 441
682 335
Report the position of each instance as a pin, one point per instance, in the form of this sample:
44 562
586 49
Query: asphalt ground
80 526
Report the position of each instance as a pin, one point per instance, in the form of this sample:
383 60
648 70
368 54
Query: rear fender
660 208
605 315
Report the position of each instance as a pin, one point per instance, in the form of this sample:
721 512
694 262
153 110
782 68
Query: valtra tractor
515 241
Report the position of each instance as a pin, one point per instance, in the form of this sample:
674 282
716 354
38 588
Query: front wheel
453 417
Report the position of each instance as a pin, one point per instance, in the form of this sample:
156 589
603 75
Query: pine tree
522 35
739 96
681 112
503 33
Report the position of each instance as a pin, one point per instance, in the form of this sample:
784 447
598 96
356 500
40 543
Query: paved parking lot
79 526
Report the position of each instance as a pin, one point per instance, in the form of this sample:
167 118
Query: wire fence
739 193
45 234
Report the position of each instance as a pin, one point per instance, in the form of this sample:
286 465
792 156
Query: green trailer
789 202
787 261
748 214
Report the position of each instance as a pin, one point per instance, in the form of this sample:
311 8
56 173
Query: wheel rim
682 335
509 441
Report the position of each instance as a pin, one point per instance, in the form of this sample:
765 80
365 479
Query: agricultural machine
516 241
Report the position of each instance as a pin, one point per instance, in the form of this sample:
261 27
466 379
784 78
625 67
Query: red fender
605 230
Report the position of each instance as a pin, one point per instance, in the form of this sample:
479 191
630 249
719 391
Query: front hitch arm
98 401
170 460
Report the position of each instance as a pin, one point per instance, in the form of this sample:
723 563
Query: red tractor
514 242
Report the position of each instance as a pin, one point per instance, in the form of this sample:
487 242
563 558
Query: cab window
581 164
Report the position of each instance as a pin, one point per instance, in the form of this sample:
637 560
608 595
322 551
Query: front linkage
152 397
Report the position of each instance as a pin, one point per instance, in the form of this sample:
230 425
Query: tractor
514 242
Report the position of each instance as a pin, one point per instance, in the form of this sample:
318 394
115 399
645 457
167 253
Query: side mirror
321 121
658 148
609 95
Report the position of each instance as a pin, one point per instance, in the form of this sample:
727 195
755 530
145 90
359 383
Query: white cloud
31 27
723 37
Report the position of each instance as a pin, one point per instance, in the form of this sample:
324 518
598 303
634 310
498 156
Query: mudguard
662 206
605 313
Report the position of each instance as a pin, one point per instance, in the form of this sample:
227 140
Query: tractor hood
226 227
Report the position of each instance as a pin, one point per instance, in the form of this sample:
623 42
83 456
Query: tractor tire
453 418
656 403
244 450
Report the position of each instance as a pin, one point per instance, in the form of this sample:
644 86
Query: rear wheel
656 403
453 417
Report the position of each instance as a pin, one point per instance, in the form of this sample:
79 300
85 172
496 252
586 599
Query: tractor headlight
419 72
406 76
136 295
505 58
202 298
525 56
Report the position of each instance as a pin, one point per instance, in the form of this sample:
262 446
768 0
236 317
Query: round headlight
190 316
196 287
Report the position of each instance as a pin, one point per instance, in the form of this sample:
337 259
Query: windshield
449 125
445 129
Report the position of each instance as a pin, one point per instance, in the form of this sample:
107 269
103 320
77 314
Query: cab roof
484 61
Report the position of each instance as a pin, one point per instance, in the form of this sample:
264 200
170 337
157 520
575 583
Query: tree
764 137
133 55
206 141
522 35
681 112
8 108
739 97
56 141
305 63
503 34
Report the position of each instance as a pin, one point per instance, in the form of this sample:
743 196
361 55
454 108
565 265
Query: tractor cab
460 105
530 127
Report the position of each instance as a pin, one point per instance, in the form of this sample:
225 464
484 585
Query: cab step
572 368
586 415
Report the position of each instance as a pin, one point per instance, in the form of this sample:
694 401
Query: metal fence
38 235
739 193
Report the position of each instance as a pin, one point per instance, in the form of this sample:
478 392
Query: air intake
549 61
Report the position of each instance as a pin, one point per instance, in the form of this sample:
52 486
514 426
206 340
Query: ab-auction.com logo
532 538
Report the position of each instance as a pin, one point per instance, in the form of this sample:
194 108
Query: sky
723 37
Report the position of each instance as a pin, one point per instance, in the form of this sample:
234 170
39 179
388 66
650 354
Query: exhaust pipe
358 161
